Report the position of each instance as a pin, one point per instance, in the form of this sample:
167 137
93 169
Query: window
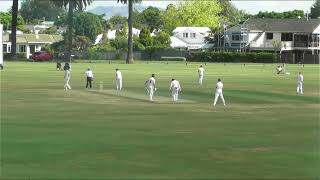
269 36
22 48
286 36
185 35
4 48
192 35
235 37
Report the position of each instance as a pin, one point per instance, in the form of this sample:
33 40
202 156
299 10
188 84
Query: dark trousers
89 80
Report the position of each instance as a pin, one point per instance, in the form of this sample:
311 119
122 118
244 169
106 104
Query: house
189 37
1 49
29 43
36 28
112 33
287 36
47 23
40 27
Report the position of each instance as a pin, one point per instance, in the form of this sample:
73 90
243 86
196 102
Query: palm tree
72 5
130 22
14 22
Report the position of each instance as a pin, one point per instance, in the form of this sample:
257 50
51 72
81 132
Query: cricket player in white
175 88
118 79
299 84
200 73
67 79
219 88
151 86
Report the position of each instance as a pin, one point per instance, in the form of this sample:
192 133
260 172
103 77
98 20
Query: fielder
175 88
67 79
219 93
299 84
118 79
279 69
200 73
150 85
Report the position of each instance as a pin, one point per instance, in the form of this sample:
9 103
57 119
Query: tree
117 20
193 13
231 12
170 23
138 19
72 5
79 43
152 18
130 23
145 37
51 30
120 43
40 9
276 15
315 10
6 20
15 6
89 25
162 39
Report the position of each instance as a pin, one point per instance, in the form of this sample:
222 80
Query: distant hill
110 11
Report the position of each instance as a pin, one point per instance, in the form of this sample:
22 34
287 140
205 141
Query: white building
189 37
112 33
297 36
1 49
29 43
47 23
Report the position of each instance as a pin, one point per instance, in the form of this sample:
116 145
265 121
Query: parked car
42 56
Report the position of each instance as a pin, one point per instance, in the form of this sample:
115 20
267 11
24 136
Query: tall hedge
211 56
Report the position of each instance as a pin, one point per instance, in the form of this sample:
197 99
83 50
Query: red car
42 56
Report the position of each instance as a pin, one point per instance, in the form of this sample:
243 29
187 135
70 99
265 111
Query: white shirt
118 75
201 71
151 82
89 73
67 75
300 78
219 87
175 85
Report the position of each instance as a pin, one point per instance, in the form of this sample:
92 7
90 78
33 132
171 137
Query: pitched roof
287 25
196 29
34 38
37 37
175 42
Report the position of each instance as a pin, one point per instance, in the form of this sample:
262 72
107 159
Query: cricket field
265 132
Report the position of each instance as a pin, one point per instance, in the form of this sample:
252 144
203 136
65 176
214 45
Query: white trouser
175 94
66 84
300 88
219 93
119 84
150 91
200 79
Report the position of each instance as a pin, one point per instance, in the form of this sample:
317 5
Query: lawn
265 132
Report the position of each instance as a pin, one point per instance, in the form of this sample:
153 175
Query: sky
251 6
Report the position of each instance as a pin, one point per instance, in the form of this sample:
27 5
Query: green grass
266 132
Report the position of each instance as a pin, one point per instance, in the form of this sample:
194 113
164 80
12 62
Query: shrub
211 56
20 57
